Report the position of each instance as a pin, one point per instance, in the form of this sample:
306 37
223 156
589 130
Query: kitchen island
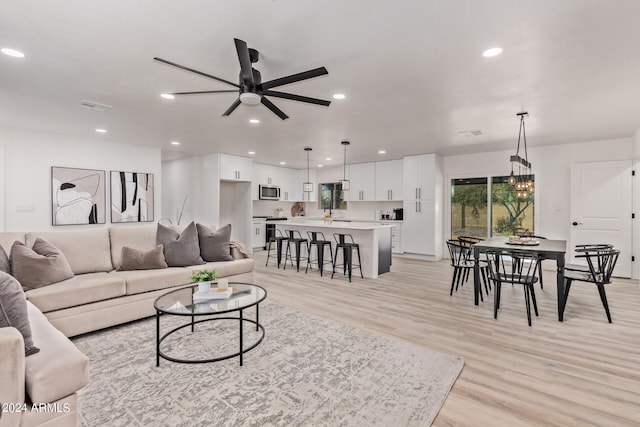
374 240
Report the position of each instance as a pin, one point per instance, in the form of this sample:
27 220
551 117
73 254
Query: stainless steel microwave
269 192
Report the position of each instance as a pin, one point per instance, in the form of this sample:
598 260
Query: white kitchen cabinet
389 180
423 205
396 236
420 176
236 168
363 178
270 175
420 227
288 178
258 234
255 182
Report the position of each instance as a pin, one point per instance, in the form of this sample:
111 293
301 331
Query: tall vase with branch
179 212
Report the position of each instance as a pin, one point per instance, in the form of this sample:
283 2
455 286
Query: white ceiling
412 70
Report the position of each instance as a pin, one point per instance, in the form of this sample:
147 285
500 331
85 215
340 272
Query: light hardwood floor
583 371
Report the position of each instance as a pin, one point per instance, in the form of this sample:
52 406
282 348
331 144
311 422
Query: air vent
90 105
470 133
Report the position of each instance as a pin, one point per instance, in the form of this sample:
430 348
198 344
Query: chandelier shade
307 187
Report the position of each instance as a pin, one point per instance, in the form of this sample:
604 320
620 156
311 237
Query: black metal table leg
241 334
157 338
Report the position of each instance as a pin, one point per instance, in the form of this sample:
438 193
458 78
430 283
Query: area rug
308 371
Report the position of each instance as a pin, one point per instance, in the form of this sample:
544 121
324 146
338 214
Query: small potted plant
204 278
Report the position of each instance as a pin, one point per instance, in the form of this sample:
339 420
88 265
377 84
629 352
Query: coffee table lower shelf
240 353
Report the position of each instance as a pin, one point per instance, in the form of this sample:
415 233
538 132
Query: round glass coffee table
180 302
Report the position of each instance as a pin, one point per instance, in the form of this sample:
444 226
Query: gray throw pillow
214 245
180 249
13 310
4 261
39 266
133 259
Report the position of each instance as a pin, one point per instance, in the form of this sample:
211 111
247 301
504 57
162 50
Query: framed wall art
131 197
77 196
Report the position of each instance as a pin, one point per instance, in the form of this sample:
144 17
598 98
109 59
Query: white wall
2 181
29 156
551 166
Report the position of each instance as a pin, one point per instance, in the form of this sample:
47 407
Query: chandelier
307 186
344 182
523 181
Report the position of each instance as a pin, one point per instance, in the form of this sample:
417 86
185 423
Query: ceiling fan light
249 98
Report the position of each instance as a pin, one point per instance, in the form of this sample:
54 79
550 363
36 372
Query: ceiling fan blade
296 97
164 61
278 112
202 92
245 61
233 107
316 72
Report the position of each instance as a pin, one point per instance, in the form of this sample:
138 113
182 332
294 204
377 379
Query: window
469 207
331 196
473 215
508 212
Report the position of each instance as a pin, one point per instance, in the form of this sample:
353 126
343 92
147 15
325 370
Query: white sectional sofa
97 296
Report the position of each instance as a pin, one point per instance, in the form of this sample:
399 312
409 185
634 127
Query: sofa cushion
226 268
4 261
214 245
8 237
79 290
140 237
139 281
13 310
133 259
59 369
41 265
88 251
180 249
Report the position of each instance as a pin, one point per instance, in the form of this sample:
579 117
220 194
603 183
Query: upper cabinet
420 177
287 180
389 180
269 175
235 168
363 178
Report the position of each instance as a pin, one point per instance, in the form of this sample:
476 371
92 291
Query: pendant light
344 182
523 181
307 186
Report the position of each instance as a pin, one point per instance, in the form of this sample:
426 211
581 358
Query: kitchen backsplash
356 210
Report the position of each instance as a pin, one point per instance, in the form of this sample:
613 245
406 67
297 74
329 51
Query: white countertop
354 225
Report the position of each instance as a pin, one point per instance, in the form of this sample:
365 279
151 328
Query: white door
601 208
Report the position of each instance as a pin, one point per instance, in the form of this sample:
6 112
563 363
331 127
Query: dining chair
462 262
587 248
600 269
517 268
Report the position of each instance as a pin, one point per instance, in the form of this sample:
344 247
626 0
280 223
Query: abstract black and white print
131 197
77 196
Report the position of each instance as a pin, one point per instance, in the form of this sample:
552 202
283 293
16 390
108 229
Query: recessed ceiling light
339 96
101 130
283 163
382 152
254 121
328 158
252 152
320 166
175 142
12 52
492 52
167 96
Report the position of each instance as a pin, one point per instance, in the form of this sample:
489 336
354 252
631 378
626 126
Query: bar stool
345 241
317 239
278 238
296 238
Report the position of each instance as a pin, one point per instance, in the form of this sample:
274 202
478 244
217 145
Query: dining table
543 248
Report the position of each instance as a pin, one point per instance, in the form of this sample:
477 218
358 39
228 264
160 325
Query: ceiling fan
252 91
